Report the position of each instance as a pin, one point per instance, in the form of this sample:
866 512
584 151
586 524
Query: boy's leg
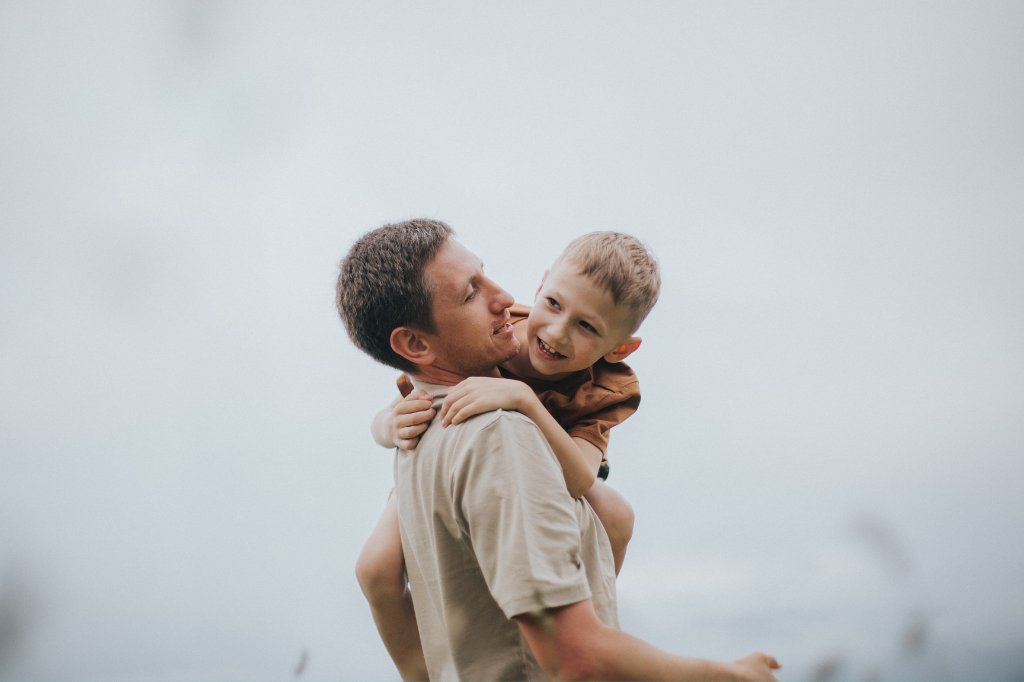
616 515
381 573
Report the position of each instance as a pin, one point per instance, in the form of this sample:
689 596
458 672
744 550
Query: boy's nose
559 332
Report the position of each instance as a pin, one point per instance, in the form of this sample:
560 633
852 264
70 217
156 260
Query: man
511 577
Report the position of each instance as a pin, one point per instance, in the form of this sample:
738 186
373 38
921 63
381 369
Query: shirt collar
436 391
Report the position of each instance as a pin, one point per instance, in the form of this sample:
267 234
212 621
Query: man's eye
553 303
471 296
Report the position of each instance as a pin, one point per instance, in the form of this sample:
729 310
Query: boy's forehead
586 293
566 273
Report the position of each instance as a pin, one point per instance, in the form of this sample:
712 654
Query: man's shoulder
483 435
498 420
486 426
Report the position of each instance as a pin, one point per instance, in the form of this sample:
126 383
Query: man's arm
570 643
528 544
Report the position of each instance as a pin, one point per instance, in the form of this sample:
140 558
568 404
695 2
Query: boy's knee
619 521
380 575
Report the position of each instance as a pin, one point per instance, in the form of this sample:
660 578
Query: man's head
417 300
591 301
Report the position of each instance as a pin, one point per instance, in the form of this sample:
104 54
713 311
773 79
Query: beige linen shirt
490 532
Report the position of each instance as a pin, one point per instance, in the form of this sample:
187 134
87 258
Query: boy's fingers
461 415
451 399
413 430
461 411
453 410
422 416
414 418
412 406
467 406
455 402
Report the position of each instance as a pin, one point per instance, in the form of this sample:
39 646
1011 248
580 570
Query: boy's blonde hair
623 265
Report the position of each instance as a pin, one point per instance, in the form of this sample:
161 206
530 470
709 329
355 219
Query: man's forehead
454 267
461 253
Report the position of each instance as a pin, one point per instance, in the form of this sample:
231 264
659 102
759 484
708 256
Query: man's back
490 532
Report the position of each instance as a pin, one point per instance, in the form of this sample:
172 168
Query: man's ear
624 350
541 285
411 345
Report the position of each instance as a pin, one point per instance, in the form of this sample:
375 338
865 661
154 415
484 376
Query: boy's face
573 323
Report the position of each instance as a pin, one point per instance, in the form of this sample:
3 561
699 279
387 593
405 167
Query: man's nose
500 299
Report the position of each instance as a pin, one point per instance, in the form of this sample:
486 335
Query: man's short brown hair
381 286
623 266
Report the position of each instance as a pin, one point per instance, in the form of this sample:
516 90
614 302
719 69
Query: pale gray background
828 461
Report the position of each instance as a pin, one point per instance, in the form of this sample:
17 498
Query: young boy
568 377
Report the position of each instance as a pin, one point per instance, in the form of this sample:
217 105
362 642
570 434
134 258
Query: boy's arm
578 458
403 420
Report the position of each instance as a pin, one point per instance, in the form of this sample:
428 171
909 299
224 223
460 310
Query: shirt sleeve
594 427
519 519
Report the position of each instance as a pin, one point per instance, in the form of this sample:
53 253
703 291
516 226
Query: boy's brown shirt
586 403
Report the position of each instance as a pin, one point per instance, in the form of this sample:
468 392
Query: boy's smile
547 351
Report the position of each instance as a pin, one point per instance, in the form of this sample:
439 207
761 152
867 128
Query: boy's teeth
549 349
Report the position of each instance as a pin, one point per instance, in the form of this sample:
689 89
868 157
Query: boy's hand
476 395
410 418
756 666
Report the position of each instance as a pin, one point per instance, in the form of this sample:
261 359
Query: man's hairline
429 288
429 285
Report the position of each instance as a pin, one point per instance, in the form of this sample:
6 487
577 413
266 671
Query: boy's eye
553 303
588 326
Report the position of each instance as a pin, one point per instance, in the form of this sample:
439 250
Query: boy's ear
411 345
624 350
541 285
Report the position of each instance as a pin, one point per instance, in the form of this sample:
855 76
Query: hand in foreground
476 395
410 418
756 666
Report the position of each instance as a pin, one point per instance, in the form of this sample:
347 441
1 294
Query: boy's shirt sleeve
594 428
613 395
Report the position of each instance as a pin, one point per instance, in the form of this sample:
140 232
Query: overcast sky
829 452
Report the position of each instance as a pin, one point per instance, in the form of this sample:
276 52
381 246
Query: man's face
472 334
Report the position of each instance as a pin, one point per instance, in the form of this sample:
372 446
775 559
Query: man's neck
431 374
